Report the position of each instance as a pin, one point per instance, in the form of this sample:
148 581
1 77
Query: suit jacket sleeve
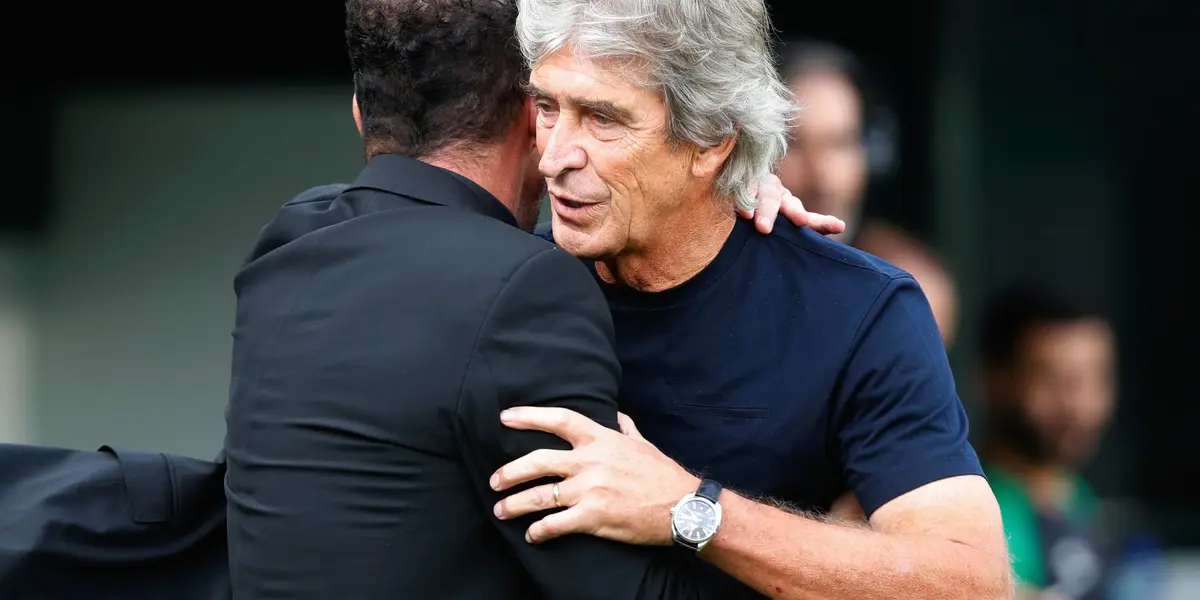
110 524
548 341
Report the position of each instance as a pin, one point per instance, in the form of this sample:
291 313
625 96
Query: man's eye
602 119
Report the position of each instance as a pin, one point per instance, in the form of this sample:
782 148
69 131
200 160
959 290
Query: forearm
790 556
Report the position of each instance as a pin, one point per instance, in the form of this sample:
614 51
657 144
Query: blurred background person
835 148
1049 382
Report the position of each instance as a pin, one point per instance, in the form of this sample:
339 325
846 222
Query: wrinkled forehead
571 78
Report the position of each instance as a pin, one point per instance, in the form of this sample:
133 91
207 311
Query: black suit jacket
380 331
110 525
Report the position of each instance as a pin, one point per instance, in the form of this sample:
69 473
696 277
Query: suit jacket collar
422 181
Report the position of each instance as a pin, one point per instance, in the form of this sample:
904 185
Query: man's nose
561 153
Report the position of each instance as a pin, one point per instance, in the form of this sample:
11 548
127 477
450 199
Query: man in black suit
382 328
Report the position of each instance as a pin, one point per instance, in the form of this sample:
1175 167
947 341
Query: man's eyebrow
535 91
605 107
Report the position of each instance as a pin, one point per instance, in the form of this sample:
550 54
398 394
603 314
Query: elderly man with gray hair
783 371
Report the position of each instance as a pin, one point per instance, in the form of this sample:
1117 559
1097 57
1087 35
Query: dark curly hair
430 74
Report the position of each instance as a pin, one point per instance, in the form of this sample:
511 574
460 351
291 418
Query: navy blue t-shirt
794 367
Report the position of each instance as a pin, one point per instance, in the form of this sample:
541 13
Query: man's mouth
568 201
569 208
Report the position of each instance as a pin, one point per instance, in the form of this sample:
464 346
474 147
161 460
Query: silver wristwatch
696 518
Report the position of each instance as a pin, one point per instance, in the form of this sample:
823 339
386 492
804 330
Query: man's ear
357 114
708 161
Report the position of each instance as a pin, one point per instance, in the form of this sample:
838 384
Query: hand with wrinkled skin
774 200
615 485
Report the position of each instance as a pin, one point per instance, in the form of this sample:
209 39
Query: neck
679 251
1049 486
491 167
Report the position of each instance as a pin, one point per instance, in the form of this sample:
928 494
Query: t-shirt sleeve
899 422
548 341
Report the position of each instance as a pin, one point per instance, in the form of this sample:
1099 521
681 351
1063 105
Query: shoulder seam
862 322
871 269
858 330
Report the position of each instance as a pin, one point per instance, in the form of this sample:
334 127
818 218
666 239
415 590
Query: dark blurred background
1039 140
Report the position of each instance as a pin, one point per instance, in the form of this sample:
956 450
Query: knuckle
538 459
599 485
561 419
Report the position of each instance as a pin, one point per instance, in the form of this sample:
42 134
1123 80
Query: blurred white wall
159 196
16 340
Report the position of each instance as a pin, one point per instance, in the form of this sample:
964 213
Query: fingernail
506 415
498 511
495 482
528 538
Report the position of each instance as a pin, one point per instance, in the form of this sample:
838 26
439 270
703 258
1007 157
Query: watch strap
709 490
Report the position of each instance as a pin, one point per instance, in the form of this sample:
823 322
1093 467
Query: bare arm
943 540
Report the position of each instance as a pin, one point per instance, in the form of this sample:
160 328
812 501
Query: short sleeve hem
883 489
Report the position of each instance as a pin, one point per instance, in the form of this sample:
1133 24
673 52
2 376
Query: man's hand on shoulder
775 200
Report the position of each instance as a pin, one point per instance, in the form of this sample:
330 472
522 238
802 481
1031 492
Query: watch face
696 520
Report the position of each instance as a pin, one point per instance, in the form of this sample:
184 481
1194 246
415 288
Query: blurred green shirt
1022 523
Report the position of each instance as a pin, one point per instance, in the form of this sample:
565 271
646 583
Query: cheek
642 177
662 176
617 173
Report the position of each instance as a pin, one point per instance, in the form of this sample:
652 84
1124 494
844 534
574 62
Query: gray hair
710 59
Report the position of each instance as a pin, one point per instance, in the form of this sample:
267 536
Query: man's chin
579 243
